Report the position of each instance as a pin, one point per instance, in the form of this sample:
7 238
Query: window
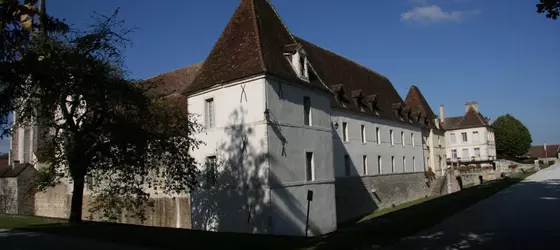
454 154
392 139
393 164
412 139
310 171
302 66
413 164
363 134
209 110
464 136
345 131
379 166
364 164
307 110
402 138
477 152
212 169
347 165
439 141
465 155
404 163
378 135
475 136
453 139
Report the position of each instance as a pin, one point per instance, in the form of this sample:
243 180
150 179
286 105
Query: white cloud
433 14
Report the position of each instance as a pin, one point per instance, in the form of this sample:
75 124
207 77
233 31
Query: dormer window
297 57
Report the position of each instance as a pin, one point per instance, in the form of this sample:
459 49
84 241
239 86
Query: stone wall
166 212
8 196
358 196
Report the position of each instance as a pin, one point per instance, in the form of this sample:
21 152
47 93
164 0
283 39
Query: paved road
12 240
525 216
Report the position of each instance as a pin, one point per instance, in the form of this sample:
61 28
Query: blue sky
500 53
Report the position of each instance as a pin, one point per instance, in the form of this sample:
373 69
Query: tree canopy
97 126
550 8
512 137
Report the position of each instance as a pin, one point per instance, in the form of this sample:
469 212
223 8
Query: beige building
470 138
433 135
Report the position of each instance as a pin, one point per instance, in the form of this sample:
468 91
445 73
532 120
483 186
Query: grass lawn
380 228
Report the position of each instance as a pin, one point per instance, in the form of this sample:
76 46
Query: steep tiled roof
251 44
539 152
416 99
471 119
256 41
9 172
174 82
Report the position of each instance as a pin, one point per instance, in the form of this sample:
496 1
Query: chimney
441 113
472 104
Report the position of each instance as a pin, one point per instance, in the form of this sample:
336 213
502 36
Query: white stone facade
470 144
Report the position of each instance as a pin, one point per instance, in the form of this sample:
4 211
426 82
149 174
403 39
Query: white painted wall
355 148
486 142
435 151
288 181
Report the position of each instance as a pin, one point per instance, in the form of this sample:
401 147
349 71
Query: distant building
470 138
433 134
544 152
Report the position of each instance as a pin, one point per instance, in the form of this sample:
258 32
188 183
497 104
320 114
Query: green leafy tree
549 7
124 139
513 139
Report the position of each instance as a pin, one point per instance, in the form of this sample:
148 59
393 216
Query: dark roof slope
252 43
334 69
416 99
7 171
471 119
174 82
539 152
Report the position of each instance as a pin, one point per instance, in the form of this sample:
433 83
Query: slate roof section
174 82
252 43
471 119
416 99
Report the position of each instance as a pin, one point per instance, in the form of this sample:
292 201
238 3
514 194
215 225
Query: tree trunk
77 200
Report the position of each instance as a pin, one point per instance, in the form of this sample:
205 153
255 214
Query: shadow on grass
377 232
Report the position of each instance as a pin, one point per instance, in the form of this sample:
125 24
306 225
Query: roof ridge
281 21
345 58
177 69
258 30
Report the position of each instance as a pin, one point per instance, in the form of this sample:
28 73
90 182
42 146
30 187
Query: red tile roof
539 152
471 119
416 99
7 171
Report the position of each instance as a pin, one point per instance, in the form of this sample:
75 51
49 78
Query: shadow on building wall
236 197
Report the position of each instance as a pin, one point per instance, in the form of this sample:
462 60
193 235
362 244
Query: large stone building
470 138
284 117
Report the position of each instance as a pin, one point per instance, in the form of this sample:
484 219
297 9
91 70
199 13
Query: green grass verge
380 228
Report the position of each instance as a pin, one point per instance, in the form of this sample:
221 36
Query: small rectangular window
453 140
209 110
392 164
363 134
475 136
454 154
212 170
413 164
347 165
379 165
404 163
392 138
465 155
378 135
309 166
477 152
364 164
464 136
345 131
402 138
412 139
307 110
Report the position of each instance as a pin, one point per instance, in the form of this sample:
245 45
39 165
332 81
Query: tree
512 137
550 7
127 140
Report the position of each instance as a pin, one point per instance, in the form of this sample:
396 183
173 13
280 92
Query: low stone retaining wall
359 196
